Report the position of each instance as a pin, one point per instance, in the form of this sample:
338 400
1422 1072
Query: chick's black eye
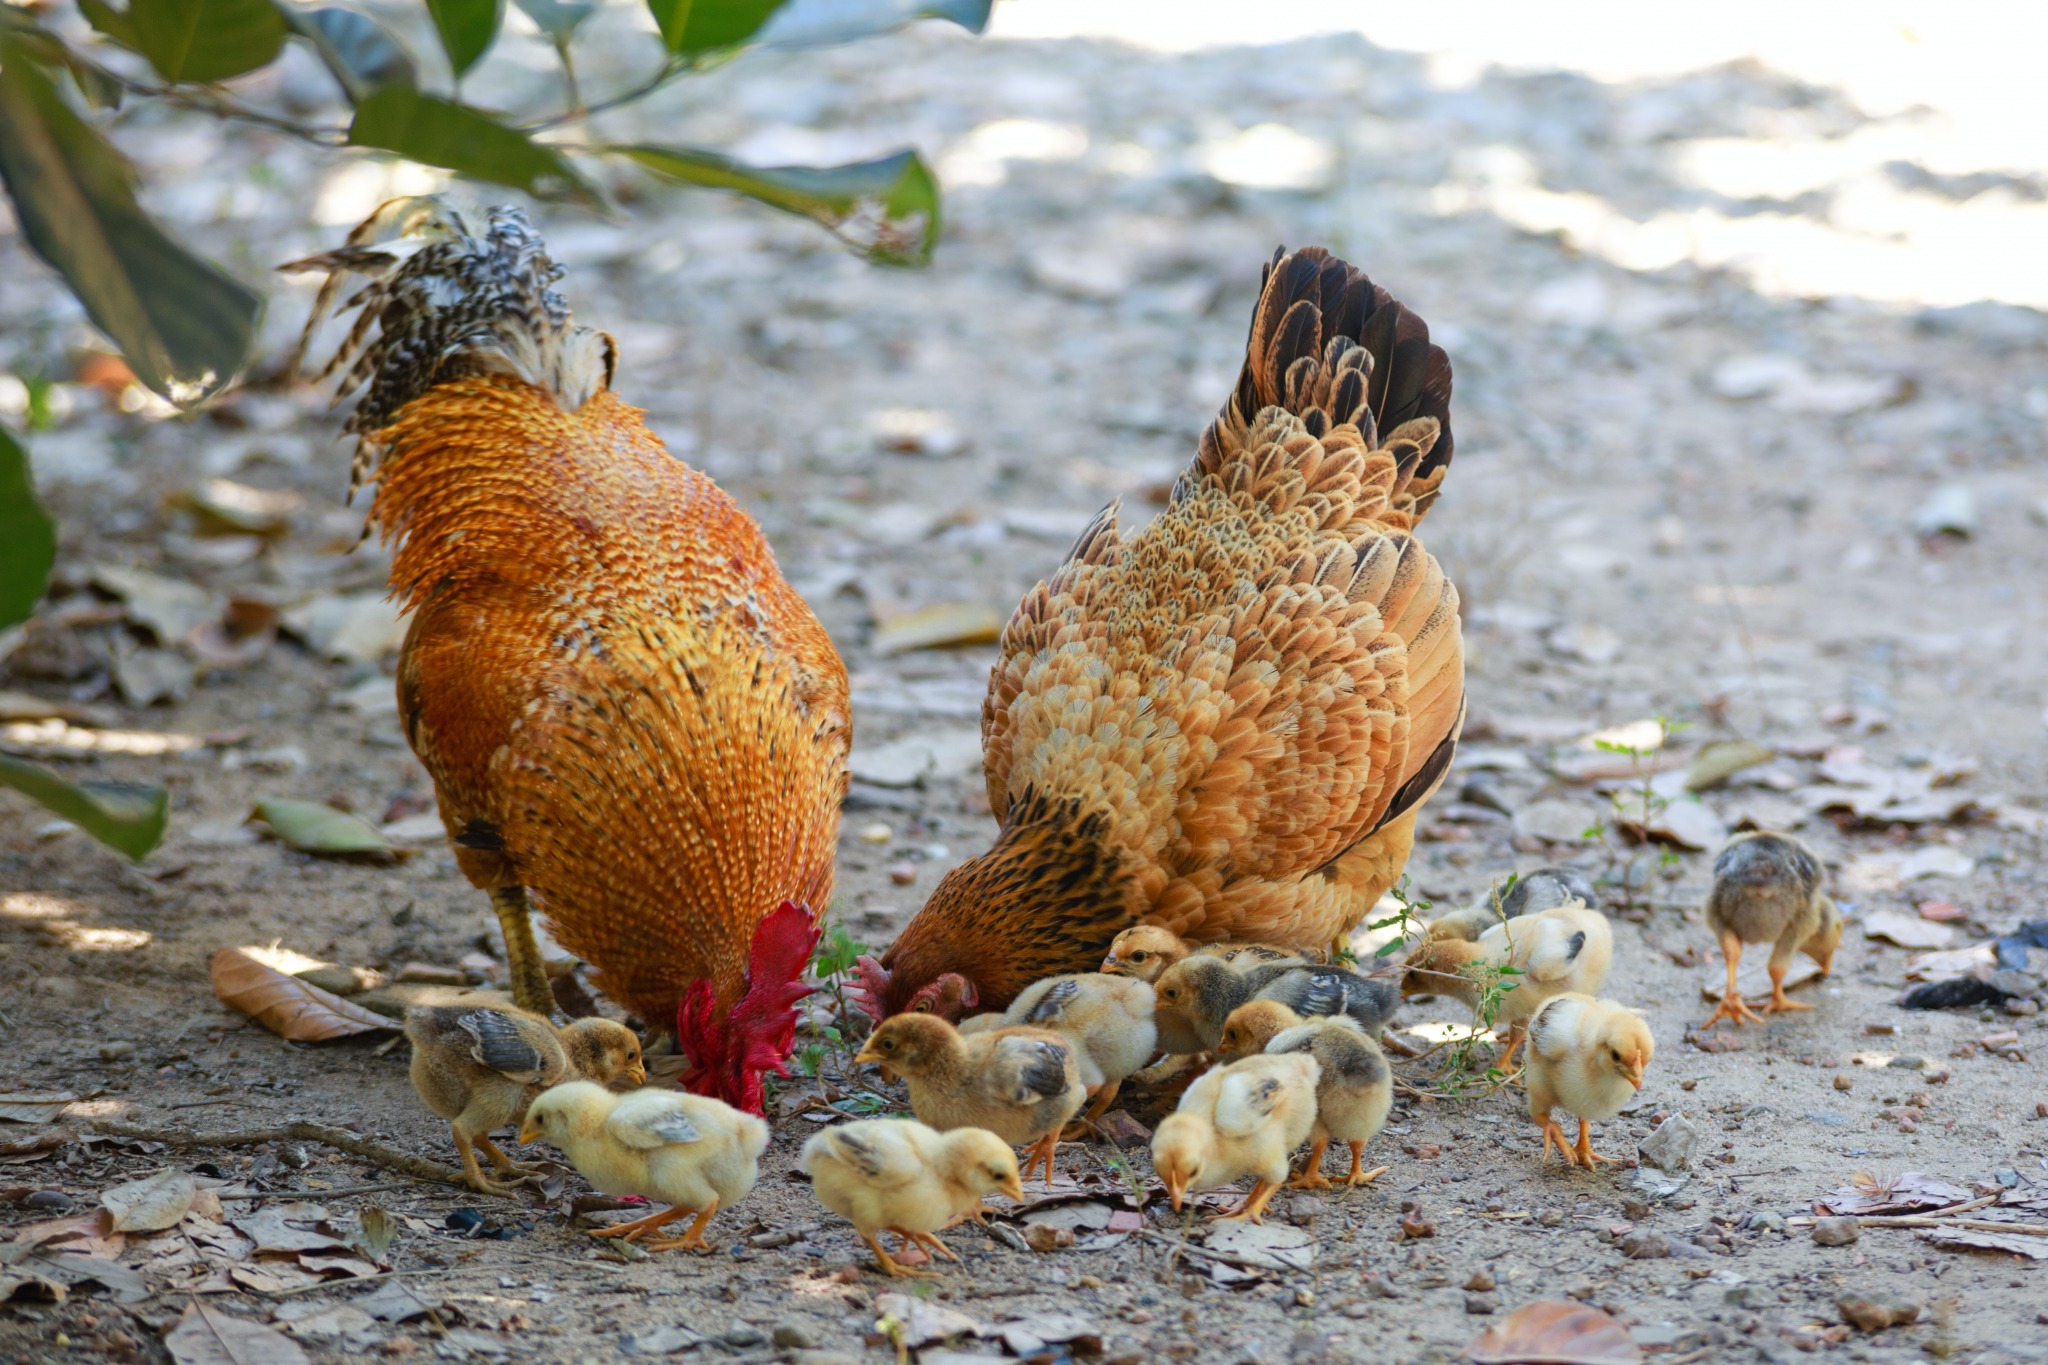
889 1045
1138 956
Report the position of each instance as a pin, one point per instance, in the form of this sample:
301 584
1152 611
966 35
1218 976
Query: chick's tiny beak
1013 1188
528 1133
866 1055
1176 1186
637 1074
1111 965
1634 1075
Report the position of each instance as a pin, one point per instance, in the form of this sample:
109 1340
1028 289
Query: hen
633 723
1225 724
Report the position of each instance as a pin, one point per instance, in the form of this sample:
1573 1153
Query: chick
692 1152
1197 994
1022 1084
907 1178
479 1068
1109 1021
1767 890
1529 893
1587 1056
1567 948
1242 1119
1146 950
1352 1097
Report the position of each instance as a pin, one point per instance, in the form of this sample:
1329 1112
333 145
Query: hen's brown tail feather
1332 347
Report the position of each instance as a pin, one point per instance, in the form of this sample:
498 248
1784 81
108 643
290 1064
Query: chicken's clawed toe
1736 1010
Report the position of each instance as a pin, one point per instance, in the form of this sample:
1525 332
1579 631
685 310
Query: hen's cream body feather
1223 724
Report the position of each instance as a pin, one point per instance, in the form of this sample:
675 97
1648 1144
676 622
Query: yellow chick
1146 950
1354 1094
1567 948
1767 890
1242 1119
1196 995
906 1178
1107 1018
1530 893
1587 1057
1022 1084
692 1152
479 1067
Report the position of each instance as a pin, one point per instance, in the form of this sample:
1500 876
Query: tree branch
338 1138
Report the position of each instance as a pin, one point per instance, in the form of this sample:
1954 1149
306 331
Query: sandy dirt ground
1813 523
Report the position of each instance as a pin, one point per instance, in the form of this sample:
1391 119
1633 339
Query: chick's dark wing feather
503 1047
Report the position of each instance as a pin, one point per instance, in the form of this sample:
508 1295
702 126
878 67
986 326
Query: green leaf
313 828
556 19
889 209
184 326
116 26
361 55
207 40
442 133
814 23
121 815
28 540
467 29
696 26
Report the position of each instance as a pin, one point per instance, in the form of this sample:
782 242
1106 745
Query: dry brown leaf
20 1106
285 1005
1977 1239
206 1336
947 623
1557 1333
149 1205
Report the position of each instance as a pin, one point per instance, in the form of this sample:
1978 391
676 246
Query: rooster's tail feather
1331 347
457 303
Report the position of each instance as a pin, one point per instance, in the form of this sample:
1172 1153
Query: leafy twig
338 1138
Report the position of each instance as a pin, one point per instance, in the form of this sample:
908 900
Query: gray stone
1646 1246
1836 1232
794 1335
1670 1147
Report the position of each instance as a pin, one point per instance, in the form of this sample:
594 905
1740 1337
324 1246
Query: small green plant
1637 806
1409 919
1461 1071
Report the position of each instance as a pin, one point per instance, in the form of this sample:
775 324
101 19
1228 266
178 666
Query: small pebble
1766 1220
903 874
1646 1246
48 1201
1874 1315
1635 1210
1382 1288
1480 1283
876 833
2021 1008
1844 1083
114 1052
742 1335
1479 1304
1836 1232
794 1336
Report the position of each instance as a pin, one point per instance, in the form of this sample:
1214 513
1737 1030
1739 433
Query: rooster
634 724
1226 724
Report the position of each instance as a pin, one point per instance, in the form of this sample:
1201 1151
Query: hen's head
731 1050
882 993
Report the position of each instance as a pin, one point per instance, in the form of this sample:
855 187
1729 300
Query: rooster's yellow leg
530 988
1312 1177
693 1236
1731 1004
